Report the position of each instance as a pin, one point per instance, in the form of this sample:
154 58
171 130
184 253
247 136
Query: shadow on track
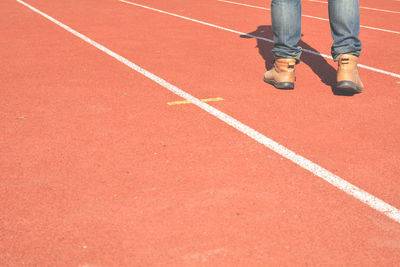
317 63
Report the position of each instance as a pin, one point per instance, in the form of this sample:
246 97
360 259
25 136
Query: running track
98 170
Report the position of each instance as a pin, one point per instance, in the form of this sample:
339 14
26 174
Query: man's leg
344 18
286 27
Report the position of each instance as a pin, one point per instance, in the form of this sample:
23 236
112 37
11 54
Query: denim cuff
351 50
336 58
297 57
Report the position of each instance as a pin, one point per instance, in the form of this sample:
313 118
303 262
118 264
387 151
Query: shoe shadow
316 62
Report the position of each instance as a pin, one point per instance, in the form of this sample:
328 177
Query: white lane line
253 36
307 16
370 200
362 7
242 4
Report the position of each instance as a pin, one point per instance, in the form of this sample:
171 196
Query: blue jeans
344 19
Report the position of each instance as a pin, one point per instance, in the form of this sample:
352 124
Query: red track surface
97 169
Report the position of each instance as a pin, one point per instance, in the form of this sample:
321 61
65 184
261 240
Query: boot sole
348 87
280 85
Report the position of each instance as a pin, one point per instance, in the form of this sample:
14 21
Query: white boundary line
317 170
363 7
307 16
253 36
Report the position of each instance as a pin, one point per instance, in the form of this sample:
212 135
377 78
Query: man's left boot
282 74
347 75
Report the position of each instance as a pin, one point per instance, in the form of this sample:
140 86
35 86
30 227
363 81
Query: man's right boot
282 75
347 75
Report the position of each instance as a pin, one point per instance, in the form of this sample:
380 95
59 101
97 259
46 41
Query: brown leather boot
282 75
347 75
